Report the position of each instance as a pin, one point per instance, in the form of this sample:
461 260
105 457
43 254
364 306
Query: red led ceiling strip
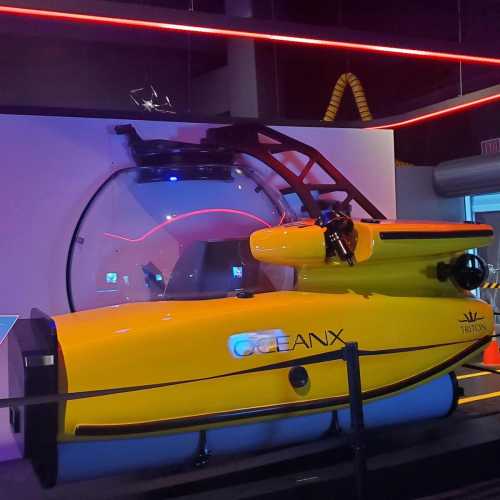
139 23
437 114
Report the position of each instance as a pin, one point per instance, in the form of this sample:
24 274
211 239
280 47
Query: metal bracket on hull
204 453
151 152
33 372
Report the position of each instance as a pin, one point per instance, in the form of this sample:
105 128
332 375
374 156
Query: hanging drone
151 102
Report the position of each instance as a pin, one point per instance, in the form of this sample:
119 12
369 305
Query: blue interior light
111 277
237 272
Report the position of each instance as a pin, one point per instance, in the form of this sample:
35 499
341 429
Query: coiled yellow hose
361 103
338 94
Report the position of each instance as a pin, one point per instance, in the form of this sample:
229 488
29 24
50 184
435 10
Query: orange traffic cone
491 355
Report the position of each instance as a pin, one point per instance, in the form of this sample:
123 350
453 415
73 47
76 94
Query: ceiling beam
143 17
435 111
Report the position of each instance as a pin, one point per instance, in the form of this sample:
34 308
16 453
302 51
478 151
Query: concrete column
246 86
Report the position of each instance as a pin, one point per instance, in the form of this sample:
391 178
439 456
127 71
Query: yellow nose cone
295 244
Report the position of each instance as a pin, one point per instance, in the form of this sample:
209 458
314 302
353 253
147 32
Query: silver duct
466 176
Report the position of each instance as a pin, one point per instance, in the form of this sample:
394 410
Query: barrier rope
481 368
317 358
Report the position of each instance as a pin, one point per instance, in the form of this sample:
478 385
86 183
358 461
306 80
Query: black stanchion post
350 353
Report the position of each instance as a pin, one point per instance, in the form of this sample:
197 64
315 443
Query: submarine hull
181 377
203 364
85 460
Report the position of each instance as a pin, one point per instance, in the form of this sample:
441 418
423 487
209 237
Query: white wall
417 199
50 166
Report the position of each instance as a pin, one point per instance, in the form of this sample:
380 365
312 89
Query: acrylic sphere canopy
158 233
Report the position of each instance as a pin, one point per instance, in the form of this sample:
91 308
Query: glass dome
158 233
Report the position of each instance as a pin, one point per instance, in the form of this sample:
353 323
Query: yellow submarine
233 356
253 371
